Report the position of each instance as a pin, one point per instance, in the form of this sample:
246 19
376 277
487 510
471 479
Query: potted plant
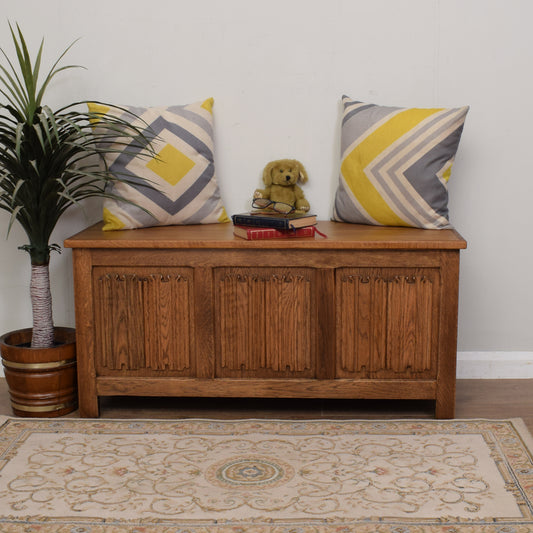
48 163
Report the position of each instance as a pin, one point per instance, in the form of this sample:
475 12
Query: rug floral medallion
258 476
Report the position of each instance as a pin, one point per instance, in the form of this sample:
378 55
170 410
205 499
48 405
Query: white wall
277 70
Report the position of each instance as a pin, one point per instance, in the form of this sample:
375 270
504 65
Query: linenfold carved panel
143 319
387 321
265 321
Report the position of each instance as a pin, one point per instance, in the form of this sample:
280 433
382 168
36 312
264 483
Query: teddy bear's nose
288 177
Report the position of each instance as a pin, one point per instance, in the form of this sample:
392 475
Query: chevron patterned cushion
178 185
395 164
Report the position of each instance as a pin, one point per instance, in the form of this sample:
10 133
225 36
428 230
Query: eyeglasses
280 207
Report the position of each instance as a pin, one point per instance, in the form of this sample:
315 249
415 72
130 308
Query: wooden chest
369 312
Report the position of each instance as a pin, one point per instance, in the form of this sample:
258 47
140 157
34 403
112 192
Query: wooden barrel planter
42 381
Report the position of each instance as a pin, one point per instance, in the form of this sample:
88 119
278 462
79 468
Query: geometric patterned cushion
395 164
178 185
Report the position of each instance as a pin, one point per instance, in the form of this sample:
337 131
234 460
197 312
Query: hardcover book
274 220
253 233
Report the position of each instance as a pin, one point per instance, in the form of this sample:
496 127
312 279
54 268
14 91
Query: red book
253 233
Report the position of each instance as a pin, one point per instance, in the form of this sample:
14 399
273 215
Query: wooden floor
496 399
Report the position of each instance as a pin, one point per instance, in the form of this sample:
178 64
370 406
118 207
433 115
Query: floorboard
476 398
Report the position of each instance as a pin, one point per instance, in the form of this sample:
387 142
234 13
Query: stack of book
270 225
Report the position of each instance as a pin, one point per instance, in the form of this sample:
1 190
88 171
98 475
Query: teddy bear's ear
303 174
267 173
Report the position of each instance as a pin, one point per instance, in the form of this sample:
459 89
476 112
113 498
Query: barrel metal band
38 366
42 408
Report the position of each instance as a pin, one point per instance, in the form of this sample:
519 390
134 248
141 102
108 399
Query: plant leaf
12 219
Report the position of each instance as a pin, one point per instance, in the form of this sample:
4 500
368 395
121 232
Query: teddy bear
281 178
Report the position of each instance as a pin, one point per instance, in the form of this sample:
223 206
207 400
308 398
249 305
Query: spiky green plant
47 164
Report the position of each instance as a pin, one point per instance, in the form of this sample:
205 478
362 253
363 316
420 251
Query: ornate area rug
258 476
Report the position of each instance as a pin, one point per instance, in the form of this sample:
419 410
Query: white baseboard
485 365
494 365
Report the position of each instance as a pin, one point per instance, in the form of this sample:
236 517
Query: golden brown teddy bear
281 178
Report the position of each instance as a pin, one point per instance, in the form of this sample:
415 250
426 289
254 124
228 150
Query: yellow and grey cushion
395 164
176 186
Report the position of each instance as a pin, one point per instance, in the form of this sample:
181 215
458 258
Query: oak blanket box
370 312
